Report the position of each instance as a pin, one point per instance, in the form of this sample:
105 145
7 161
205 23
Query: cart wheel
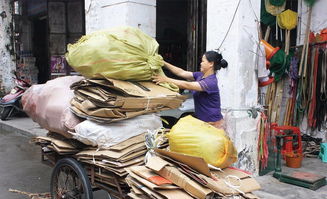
69 180
5 113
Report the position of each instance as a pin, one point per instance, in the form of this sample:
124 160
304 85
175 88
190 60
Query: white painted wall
238 83
6 63
104 14
318 21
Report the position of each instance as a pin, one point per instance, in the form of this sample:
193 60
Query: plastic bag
194 137
106 135
122 53
48 104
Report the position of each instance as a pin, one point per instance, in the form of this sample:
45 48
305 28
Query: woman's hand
159 79
180 83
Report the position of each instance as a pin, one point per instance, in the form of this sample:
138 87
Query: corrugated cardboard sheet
110 100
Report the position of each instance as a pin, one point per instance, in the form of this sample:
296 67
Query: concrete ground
273 189
21 168
20 162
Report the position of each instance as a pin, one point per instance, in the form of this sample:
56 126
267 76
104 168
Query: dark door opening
40 48
181 32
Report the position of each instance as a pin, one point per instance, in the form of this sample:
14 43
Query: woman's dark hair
217 59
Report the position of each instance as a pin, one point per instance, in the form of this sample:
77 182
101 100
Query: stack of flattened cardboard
54 142
189 173
123 155
108 168
145 183
108 100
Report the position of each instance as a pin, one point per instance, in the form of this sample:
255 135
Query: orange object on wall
270 51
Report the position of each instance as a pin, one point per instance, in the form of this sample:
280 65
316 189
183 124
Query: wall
102 14
6 63
238 83
318 21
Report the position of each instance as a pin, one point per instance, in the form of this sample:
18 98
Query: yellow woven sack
194 137
274 10
287 19
123 53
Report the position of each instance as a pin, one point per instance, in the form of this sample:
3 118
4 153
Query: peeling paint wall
104 14
242 130
318 21
6 62
238 83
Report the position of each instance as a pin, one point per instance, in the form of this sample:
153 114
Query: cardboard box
150 176
171 173
111 154
155 191
110 100
152 186
215 179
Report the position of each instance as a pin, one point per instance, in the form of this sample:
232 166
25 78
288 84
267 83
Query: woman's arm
179 72
180 83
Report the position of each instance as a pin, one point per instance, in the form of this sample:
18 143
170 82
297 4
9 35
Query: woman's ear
211 64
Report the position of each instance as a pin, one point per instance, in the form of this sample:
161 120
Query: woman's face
205 65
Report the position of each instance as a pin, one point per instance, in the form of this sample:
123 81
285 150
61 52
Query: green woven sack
123 53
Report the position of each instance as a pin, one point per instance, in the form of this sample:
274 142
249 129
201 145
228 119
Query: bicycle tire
78 169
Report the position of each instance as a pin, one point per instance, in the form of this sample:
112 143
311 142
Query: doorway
181 32
40 48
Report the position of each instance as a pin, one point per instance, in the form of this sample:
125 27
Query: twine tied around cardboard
153 139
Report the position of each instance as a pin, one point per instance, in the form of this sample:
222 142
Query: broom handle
267 33
305 42
288 41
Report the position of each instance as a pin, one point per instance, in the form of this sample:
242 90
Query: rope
263 139
323 89
153 139
252 111
321 107
228 182
312 106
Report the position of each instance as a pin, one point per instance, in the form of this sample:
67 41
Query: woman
204 86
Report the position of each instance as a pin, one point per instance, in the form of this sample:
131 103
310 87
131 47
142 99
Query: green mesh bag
123 53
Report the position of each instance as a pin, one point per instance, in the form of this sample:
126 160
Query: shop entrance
181 32
40 48
42 30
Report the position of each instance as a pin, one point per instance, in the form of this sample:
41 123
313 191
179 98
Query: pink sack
48 104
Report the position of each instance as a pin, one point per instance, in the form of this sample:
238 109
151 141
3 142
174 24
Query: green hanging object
265 17
310 2
279 64
277 2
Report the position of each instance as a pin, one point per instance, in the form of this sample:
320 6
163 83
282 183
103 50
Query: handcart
72 179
